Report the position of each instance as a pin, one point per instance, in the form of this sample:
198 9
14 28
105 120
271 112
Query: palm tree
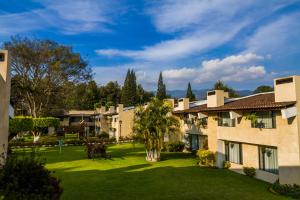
152 123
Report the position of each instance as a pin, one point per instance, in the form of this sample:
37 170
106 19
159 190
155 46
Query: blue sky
243 43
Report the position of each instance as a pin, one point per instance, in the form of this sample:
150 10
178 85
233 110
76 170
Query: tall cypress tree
189 93
161 88
133 86
129 96
125 90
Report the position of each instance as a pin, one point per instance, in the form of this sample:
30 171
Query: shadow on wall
286 175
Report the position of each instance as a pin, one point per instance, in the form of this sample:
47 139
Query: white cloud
277 38
178 48
69 17
176 15
234 68
196 27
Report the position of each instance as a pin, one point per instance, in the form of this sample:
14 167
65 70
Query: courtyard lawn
128 176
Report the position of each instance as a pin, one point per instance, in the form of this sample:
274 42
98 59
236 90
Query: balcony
82 124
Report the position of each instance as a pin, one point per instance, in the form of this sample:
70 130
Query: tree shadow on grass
147 183
76 153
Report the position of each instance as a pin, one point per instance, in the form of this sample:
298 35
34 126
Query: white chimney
183 103
216 98
287 89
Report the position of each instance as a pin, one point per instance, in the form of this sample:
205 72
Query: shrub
112 139
249 171
96 150
226 164
207 158
286 189
103 135
27 179
20 124
175 146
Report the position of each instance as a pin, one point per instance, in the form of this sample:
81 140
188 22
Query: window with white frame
265 119
268 159
224 120
233 152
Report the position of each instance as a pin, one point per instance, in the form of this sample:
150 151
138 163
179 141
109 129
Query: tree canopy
40 70
220 85
161 88
263 88
189 93
36 126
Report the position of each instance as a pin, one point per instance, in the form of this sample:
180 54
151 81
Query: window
189 120
268 159
224 120
2 57
203 122
233 152
265 119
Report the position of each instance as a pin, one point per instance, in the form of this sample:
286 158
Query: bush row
67 142
173 146
286 189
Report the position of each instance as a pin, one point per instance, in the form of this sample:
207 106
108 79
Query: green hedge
25 123
44 122
20 124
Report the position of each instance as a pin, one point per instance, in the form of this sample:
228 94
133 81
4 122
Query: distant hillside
201 94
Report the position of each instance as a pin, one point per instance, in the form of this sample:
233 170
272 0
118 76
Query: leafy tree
40 69
82 96
143 96
110 94
129 93
263 88
219 85
35 125
151 124
19 124
161 88
189 93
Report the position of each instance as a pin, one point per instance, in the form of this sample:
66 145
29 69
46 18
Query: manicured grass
128 176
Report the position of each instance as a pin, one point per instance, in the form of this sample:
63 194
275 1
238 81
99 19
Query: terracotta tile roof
253 102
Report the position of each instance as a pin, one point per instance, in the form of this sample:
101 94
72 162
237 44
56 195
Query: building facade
260 131
4 100
116 121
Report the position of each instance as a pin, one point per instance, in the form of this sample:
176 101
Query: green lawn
128 176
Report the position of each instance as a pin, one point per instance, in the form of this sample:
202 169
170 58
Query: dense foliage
95 150
28 179
129 93
175 146
41 69
249 171
152 123
20 124
226 164
207 158
161 92
189 93
219 85
36 126
263 88
286 189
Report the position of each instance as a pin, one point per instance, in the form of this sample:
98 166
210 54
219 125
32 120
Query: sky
243 43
